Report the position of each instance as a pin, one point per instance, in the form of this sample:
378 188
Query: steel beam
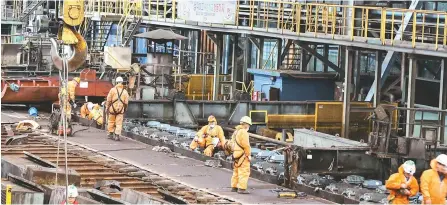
326 56
319 57
411 96
216 82
390 56
347 92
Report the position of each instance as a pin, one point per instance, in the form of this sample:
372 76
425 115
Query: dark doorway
274 94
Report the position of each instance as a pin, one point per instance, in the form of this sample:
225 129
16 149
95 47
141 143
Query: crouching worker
402 185
239 148
86 109
208 137
97 115
72 194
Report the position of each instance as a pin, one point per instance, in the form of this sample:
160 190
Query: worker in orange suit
209 137
434 181
402 185
241 156
86 109
71 88
116 105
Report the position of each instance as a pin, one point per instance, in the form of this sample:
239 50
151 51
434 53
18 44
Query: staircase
130 31
30 8
98 39
293 59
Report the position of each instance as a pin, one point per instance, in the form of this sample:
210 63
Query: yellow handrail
319 20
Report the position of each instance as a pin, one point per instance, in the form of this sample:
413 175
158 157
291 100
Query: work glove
74 105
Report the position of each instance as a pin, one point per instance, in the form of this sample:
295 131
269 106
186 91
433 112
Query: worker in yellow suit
116 105
97 115
86 109
402 185
71 87
92 111
241 156
434 181
208 137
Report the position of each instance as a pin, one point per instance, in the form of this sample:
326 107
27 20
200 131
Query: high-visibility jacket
208 133
396 192
117 100
432 188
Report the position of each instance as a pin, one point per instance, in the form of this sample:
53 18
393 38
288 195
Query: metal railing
316 20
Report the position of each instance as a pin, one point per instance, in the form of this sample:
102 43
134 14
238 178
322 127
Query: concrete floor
188 171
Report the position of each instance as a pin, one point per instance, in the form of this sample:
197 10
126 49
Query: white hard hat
409 167
72 191
90 106
119 80
442 159
215 141
246 119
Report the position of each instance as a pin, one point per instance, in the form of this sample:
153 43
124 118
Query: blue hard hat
32 112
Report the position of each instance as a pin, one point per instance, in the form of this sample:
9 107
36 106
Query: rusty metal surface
93 167
187 170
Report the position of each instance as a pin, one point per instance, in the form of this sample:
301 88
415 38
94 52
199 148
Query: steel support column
234 70
278 53
403 73
216 82
303 60
246 58
410 95
378 78
347 92
390 56
358 57
326 56
260 53
443 99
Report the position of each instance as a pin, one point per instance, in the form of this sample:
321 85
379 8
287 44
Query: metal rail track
93 167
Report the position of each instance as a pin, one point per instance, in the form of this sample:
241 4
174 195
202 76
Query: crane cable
63 100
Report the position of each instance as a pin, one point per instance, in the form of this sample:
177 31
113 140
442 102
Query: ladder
98 39
130 31
31 7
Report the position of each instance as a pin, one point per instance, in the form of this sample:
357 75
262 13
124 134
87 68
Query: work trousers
115 123
241 173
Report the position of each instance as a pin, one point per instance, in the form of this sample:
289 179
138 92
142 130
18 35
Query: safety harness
236 159
116 100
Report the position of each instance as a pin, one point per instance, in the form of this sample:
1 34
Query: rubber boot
242 191
117 137
110 135
233 189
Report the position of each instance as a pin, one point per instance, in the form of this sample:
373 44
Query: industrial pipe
259 137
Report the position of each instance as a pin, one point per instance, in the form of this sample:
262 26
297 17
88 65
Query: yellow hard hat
211 118
246 119
78 80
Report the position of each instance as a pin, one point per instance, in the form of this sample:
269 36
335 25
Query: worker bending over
434 182
402 185
208 137
71 88
97 114
72 194
86 109
241 156
116 105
